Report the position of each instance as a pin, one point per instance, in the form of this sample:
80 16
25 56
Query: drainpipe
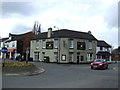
58 45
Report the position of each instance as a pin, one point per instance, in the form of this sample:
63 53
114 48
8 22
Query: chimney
9 34
89 32
49 32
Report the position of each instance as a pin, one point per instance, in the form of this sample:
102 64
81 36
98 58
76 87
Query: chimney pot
89 32
49 32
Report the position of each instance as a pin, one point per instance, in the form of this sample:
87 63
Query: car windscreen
99 60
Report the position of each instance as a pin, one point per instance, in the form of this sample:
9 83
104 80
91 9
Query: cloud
21 28
98 16
71 12
119 22
111 16
14 25
6 25
22 8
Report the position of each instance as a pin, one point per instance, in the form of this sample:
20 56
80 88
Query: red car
99 64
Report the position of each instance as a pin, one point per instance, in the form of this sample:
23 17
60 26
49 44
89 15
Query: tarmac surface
65 76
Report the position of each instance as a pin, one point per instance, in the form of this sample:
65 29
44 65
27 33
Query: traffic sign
4 50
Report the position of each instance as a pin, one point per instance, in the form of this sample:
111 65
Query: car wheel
91 67
107 67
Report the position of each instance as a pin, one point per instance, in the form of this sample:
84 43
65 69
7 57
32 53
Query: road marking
12 74
115 68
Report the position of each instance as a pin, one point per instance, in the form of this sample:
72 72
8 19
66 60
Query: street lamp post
58 49
27 52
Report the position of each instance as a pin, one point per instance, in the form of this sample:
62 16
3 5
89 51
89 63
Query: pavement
36 72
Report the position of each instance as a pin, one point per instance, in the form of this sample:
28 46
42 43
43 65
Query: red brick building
17 44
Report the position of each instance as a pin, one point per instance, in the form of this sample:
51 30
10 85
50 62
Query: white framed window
56 43
6 45
71 56
89 44
90 57
37 44
55 56
44 44
36 56
63 57
71 43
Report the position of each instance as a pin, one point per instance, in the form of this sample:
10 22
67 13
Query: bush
18 67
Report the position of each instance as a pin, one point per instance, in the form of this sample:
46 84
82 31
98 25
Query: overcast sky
98 16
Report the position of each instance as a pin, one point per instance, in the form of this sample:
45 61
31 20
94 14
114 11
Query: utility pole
4 50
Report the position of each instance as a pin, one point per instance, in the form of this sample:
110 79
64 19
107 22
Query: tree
116 54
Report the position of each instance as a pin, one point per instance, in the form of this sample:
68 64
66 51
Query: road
65 76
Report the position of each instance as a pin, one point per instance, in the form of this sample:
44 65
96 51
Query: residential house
17 44
2 40
103 50
64 46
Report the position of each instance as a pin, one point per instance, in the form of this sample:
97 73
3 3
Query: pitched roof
3 39
65 33
101 43
10 34
18 36
14 37
103 53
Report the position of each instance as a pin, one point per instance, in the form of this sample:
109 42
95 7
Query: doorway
78 58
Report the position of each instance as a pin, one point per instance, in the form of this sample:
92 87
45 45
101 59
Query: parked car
99 64
18 58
